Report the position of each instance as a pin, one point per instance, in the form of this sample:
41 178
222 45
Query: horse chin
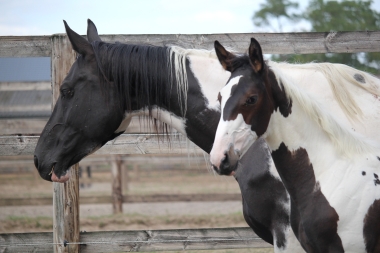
63 178
225 169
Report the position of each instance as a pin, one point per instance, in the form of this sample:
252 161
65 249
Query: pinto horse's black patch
371 229
316 228
376 180
255 180
359 78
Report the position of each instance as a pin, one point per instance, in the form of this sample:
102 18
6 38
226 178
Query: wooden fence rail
133 144
138 241
66 219
272 43
127 199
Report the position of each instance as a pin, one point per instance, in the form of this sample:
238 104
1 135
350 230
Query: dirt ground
136 216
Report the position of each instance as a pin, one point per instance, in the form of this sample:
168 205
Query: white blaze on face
233 132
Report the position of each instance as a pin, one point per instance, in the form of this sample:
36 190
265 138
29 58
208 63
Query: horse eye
251 100
67 93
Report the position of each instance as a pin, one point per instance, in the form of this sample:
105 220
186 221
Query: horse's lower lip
64 178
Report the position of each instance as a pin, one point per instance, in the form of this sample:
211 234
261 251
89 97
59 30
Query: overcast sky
44 17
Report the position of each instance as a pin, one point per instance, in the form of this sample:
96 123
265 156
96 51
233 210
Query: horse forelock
347 141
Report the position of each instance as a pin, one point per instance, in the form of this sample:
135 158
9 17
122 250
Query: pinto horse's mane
335 75
347 141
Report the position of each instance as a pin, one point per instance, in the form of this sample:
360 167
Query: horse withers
328 168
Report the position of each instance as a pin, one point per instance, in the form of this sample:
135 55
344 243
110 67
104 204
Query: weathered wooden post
117 195
65 196
125 177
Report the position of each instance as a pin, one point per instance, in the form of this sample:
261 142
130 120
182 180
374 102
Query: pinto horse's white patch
171 119
208 70
124 124
164 116
226 91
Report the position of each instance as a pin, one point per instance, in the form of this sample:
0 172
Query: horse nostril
224 161
36 162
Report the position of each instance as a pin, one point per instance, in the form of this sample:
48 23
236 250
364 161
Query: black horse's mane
142 74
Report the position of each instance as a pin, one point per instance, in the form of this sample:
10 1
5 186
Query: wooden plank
18 126
23 108
272 43
32 125
127 199
153 162
117 194
25 46
133 144
26 242
139 241
66 198
23 86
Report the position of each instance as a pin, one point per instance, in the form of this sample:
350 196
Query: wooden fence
66 197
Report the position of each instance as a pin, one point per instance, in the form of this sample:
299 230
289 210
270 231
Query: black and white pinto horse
110 83
326 161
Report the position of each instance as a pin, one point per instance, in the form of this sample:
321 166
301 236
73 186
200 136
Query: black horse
110 83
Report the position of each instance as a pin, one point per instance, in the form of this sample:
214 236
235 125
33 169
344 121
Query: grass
15 224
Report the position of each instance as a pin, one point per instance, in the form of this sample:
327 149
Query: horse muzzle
228 164
50 171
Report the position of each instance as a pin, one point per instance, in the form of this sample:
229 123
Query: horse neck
297 131
314 128
205 77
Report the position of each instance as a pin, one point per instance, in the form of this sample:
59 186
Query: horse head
247 101
75 129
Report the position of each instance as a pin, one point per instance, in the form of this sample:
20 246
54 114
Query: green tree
325 16
275 9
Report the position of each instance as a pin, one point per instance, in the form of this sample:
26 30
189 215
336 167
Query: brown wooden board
272 43
139 241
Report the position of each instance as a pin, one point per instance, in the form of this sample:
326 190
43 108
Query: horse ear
224 56
256 56
80 44
92 32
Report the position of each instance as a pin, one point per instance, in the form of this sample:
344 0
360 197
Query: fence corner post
65 196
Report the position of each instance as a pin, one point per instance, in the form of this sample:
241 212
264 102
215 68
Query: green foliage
274 9
342 16
325 16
